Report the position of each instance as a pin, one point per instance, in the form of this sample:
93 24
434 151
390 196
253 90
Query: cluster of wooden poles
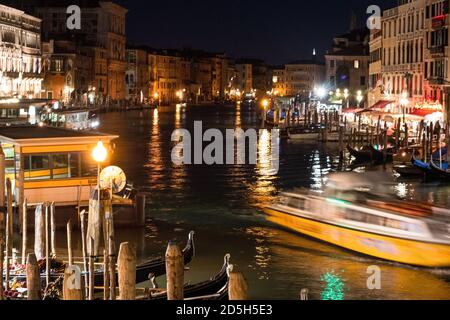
73 286
430 138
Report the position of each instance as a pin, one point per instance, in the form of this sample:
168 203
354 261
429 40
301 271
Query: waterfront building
375 93
137 76
68 73
219 68
347 63
244 77
403 35
201 73
262 78
436 67
279 81
165 75
302 76
20 54
103 33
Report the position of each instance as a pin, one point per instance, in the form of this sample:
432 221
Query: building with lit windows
347 63
102 35
302 76
436 67
403 44
20 54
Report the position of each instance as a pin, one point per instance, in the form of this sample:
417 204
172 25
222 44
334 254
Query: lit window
356 64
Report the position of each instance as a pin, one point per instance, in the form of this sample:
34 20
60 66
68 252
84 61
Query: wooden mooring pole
39 232
84 251
24 231
69 243
47 245
8 232
72 284
238 288
91 268
52 230
112 268
126 264
175 272
33 278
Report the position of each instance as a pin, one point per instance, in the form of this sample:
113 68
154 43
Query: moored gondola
441 171
362 155
214 289
156 266
378 156
425 168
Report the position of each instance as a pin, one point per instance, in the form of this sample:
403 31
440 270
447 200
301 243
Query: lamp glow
99 153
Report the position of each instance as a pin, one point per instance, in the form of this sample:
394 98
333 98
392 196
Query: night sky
275 31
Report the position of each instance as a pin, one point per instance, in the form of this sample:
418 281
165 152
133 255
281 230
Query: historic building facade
137 76
68 74
20 54
403 43
102 35
302 76
347 63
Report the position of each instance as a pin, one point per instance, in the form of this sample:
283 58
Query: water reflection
222 204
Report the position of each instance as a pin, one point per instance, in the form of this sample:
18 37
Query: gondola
442 172
363 155
408 171
425 168
214 289
157 267
402 162
378 155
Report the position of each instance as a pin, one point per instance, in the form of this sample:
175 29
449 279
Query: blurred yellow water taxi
405 232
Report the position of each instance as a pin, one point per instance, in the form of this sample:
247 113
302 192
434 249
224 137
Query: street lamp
346 95
404 103
359 97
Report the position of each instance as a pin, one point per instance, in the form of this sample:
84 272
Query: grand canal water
223 205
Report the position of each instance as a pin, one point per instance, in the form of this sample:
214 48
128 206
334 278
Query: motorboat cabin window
298 203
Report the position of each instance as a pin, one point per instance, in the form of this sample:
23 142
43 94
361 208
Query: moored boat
362 155
156 267
441 170
409 233
215 288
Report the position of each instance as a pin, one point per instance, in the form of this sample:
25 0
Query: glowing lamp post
346 96
404 103
359 97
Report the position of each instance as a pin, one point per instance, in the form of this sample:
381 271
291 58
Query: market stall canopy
352 110
379 106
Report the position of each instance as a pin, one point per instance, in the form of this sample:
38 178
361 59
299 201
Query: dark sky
276 31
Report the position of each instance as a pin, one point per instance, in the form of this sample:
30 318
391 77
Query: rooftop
36 132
